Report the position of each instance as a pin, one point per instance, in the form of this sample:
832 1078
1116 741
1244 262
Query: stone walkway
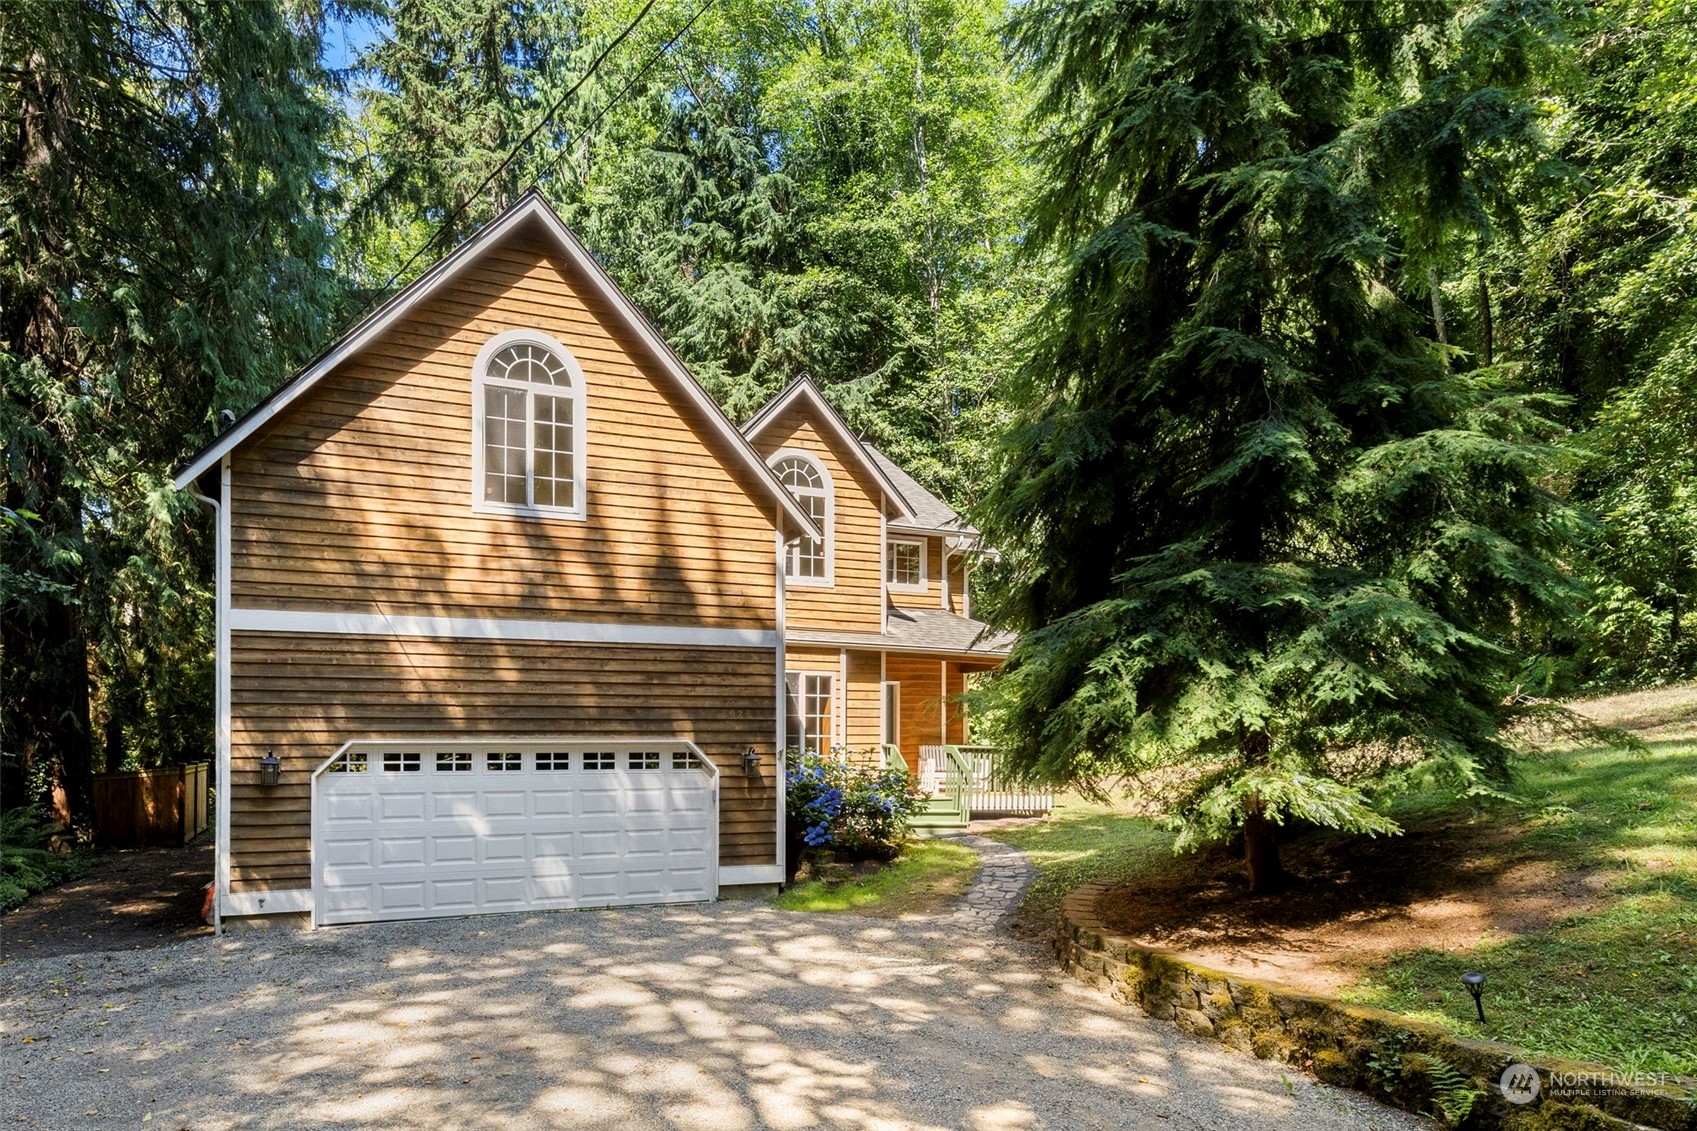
995 893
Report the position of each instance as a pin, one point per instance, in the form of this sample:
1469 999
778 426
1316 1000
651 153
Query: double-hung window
807 560
904 563
528 427
809 711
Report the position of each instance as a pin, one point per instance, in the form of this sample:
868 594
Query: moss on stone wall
1410 1064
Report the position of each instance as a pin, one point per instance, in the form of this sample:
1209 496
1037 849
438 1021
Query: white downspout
221 688
781 728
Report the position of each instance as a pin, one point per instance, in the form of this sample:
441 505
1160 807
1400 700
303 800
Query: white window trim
832 740
924 581
829 581
575 392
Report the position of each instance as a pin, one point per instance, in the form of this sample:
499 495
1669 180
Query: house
511 617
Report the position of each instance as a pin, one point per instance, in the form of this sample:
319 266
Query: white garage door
422 829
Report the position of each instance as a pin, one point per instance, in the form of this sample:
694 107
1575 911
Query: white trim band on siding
751 874
498 628
265 902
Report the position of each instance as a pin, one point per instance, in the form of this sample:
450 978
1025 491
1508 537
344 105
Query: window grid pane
905 564
554 465
503 445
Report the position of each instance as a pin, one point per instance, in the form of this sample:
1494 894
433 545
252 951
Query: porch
966 783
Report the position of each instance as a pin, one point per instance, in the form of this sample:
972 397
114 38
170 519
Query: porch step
939 813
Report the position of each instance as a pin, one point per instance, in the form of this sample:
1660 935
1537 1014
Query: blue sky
345 37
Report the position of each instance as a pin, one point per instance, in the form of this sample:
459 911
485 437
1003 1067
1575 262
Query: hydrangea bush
852 808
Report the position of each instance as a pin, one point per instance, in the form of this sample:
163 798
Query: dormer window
807 561
527 409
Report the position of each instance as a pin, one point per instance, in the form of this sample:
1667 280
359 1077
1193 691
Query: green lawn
1080 842
925 878
1618 986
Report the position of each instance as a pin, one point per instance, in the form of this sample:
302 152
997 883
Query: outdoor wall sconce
1475 984
270 769
750 761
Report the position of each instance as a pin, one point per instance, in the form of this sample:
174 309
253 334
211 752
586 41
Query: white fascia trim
290 902
531 206
954 532
498 628
804 387
751 874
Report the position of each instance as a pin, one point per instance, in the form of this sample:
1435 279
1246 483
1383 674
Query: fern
1452 1093
27 865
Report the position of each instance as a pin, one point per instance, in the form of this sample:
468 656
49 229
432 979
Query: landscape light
1475 984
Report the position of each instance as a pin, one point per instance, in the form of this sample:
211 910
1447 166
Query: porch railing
990 792
944 773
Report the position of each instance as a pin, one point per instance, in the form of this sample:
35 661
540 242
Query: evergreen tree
1598 305
161 261
1271 541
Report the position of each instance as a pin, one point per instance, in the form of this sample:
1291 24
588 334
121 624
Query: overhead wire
635 77
513 153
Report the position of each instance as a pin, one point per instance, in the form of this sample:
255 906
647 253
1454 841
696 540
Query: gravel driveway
729 1015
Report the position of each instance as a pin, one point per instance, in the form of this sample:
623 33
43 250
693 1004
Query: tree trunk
1486 333
1260 835
1261 852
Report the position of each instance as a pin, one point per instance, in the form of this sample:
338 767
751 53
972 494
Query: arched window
808 560
527 399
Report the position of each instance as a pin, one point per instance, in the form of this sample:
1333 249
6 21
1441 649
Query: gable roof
528 208
804 391
926 511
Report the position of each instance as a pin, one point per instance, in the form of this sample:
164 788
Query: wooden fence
147 807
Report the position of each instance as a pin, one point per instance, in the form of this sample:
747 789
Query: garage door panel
454 895
455 806
503 847
399 896
453 850
505 803
553 803
400 850
400 806
553 845
549 826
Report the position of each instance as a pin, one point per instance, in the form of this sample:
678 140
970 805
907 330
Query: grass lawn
1613 981
1617 985
926 877
1080 842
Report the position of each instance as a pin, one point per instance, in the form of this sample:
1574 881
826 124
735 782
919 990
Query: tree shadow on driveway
730 1016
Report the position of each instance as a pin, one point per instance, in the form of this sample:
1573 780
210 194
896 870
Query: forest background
199 199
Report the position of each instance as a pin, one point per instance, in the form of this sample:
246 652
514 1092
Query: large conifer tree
1272 539
160 260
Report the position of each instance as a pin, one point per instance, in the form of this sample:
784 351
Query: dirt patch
129 900
1658 715
1355 902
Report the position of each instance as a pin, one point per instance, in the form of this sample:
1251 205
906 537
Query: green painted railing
992 792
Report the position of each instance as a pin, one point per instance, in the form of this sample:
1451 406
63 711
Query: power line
512 154
630 82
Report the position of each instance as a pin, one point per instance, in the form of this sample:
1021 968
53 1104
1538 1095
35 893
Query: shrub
27 865
852 808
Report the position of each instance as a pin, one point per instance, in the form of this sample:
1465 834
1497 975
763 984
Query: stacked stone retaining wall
1410 1064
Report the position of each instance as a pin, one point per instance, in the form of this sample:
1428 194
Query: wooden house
511 617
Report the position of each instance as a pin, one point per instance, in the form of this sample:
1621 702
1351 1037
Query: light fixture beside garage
270 769
750 761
